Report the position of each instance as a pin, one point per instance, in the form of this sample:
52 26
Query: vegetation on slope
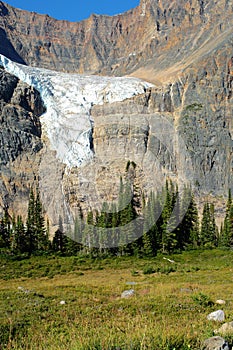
167 222
75 302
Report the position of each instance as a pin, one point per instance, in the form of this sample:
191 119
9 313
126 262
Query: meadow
74 303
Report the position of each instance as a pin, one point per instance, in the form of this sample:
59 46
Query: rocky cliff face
156 35
20 139
180 128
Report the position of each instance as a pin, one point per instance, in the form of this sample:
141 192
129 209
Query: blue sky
74 10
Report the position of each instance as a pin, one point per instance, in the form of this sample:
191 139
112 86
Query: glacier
68 98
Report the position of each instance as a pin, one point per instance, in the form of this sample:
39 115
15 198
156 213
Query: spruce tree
150 238
126 216
5 230
39 225
88 233
58 244
189 226
36 238
227 234
169 240
208 226
30 238
19 241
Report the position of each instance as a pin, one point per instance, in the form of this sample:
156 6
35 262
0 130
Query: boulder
220 302
216 316
128 293
215 343
226 328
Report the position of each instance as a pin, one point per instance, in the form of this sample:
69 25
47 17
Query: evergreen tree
126 215
88 236
189 223
42 241
169 240
226 238
212 226
36 238
150 238
59 240
30 238
19 237
5 230
79 224
58 244
208 226
231 225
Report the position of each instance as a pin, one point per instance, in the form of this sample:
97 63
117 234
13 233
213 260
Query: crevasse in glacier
68 99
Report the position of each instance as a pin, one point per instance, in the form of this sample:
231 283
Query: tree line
165 222
168 222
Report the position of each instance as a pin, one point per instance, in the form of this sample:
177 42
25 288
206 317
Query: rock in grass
62 302
128 293
215 343
220 302
216 316
21 289
226 328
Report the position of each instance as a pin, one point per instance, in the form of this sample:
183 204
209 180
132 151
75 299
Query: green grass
168 310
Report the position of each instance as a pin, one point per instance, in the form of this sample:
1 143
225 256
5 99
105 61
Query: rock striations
179 126
155 36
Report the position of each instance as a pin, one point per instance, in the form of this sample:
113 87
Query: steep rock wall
151 38
20 139
26 158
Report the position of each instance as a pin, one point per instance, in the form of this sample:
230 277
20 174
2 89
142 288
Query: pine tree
189 226
205 224
88 236
231 225
212 226
127 216
30 238
227 234
36 238
208 226
115 230
19 237
169 240
150 238
39 224
58 244
5 230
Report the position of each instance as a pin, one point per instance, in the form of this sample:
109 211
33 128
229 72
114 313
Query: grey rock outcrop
20 138
20 108
26 159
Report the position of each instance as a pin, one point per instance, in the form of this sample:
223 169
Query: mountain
179 125
157 36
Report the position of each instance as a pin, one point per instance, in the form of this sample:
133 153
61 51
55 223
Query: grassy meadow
74 303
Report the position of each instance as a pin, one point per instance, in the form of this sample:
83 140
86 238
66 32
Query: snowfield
69 99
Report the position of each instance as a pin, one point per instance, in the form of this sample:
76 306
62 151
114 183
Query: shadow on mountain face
3 10
7 49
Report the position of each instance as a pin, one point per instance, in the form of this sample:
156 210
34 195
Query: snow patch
69 99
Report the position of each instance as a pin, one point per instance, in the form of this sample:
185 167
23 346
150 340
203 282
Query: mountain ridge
117 45
185 48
